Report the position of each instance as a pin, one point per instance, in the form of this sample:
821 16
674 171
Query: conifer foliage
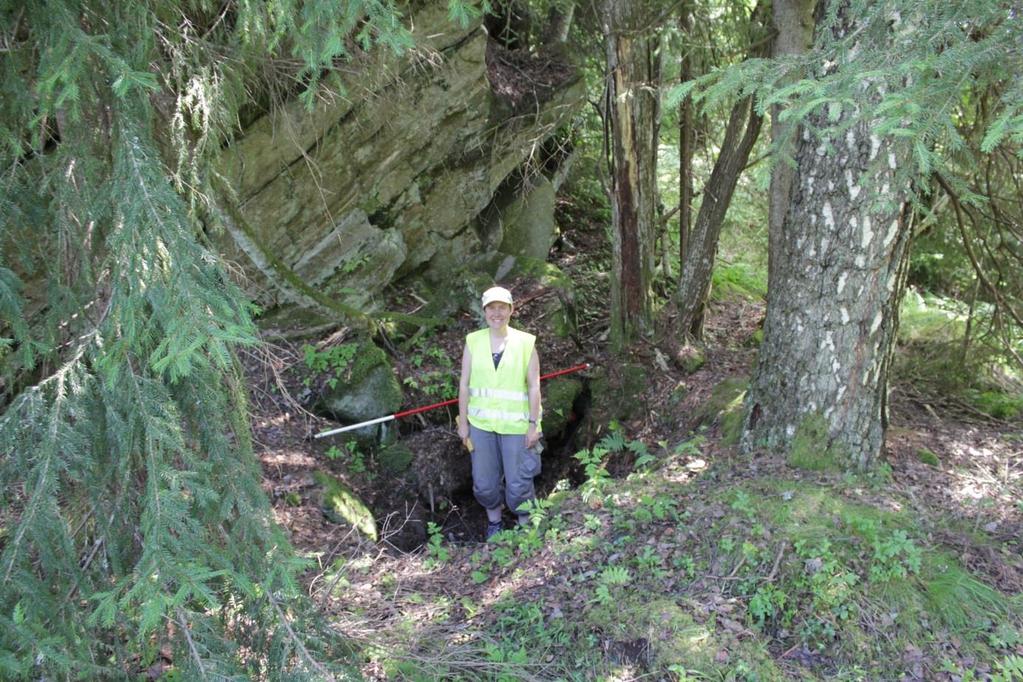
132 521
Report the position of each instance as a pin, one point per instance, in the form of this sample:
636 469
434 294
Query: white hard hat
496 294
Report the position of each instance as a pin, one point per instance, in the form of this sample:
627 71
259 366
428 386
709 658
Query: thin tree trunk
717 195
685 138
838 272
559 21
632 109
701 247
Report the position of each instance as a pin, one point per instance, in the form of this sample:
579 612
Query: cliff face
402 174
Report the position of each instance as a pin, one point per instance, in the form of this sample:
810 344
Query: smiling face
497 315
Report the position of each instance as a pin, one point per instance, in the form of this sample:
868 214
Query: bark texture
740 136
835 285
633 112
793 25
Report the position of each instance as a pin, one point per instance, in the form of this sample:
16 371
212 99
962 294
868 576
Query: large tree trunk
793 25
632 101
834 290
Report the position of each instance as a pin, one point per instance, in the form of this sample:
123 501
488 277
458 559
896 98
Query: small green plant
642 452
434 376
435 549
996 403
691 447
652 507
1004 637
829 586
351 454
1009 669
595 470
614 441
536 509
521 627
743 504
649 561
766 603
686 565
610 576
895 557
336 360
357 461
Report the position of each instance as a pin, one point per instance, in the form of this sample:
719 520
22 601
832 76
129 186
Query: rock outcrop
402 174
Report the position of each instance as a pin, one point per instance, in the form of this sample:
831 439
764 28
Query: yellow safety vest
499 398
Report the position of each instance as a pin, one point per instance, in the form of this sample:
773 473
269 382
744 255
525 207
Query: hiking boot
493 528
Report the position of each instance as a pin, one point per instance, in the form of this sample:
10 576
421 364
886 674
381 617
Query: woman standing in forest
499 410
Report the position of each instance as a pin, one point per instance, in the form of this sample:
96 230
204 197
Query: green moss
615 396
731 422
812 447
677 641
690 359
558 397
395 458
725 405
928 457
367 358
738 280
341 503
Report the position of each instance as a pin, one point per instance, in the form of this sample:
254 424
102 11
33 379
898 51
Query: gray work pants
502 468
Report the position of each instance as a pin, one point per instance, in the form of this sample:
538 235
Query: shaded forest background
842 178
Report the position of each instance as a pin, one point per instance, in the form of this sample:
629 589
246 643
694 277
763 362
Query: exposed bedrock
419 168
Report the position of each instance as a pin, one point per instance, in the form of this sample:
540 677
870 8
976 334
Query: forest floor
674 556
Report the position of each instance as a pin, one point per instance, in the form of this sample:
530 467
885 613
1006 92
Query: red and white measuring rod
426 408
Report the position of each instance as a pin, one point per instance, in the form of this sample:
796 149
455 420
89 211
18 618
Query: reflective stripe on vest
499 397
498 414
498 393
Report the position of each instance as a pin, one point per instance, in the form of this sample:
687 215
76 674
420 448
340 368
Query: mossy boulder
690 358
725 406
366 390
559 395
340 504
617 395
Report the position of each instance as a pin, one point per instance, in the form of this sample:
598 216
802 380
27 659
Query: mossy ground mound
680 571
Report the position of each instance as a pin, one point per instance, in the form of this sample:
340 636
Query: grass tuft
959 599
